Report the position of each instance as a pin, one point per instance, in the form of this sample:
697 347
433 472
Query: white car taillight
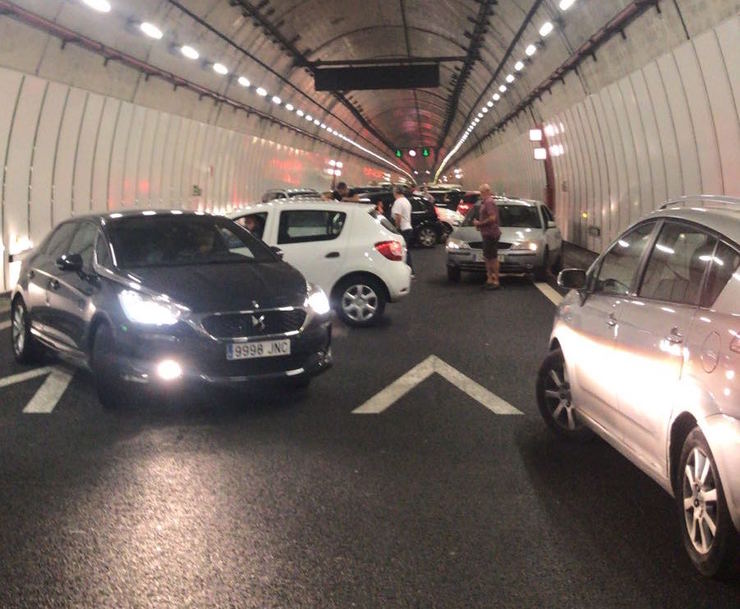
392 250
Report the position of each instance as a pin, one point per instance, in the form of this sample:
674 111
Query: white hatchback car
645 352
348 249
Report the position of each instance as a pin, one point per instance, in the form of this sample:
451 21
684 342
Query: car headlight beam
317 300
525 245
151 311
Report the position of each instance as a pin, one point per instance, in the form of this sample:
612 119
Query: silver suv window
676 267
619 266
725 263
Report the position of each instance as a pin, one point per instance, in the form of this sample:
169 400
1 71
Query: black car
428 230
166 299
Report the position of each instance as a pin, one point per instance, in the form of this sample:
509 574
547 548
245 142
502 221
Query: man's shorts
490 248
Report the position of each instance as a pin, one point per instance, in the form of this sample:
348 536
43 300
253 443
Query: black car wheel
361 301
427 237
26 349
708 533
555 401
454 274
446 232
108 381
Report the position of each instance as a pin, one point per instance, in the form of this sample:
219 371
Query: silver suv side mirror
572 279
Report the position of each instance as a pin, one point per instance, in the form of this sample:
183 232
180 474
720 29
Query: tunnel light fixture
262 92
289 107
566 4
484 109
540 154
480 114
309 118
151 30
503 88
519 66
189 52
276 100
299 112
323 125
489 104
102 6
496 97
244 81
316 122
510 78
546 28
535 135
530 50
412 153
221 69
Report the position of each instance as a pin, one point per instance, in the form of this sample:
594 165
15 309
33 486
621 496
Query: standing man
401 212
488 225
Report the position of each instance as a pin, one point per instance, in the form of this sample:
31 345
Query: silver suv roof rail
705 201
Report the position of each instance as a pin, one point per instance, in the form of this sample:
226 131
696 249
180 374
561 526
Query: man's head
485 191
398 191
342 188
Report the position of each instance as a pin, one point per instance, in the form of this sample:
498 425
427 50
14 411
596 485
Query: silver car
645 352
530 241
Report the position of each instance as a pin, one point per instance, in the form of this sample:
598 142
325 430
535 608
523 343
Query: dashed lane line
23 376
552 294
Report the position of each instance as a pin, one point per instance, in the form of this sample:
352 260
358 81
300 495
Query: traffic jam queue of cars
644 350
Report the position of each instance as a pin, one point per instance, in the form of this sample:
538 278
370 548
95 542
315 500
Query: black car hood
226 287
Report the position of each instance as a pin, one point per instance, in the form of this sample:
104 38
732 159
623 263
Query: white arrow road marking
50 392
4 325
419 373
48 395
553 295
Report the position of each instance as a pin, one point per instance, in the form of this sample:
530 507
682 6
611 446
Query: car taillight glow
392 250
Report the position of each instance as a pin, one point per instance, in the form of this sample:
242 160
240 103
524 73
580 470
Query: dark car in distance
166 300
428 230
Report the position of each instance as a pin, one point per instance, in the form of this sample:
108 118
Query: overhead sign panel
419 76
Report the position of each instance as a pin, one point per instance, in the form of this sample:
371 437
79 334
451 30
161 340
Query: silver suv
645 352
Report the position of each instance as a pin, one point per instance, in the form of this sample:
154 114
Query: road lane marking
552 294
50 392
23 376
419 373
4 325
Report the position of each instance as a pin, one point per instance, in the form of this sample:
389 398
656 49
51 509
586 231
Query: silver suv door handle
674 337
611 321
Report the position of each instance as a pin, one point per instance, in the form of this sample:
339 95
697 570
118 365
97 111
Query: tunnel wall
668 129
68 151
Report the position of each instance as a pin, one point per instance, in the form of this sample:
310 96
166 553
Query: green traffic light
425 152
399 154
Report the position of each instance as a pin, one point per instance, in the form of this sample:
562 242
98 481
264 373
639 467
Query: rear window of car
519 216
383 221
725 263
303 226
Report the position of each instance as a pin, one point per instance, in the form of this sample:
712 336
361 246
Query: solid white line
476 391
398 388
23 376
553 295
50 392
4 325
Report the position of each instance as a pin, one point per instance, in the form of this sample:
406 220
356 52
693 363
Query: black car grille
478 245
259 323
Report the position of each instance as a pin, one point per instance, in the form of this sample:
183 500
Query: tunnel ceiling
277 44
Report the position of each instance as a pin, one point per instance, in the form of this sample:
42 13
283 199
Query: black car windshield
169 240
512 216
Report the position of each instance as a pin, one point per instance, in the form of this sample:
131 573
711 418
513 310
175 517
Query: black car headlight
316 300
150 310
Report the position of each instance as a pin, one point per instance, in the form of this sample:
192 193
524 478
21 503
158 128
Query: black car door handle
332 255
54 284
31 274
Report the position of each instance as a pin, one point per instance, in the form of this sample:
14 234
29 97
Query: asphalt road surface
272 500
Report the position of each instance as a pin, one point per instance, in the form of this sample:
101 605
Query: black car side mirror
572 279
70 262
277 251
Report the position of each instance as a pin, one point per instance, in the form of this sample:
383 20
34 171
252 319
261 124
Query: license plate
266 348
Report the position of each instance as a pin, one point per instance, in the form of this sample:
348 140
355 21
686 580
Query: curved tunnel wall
68 151
668 129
